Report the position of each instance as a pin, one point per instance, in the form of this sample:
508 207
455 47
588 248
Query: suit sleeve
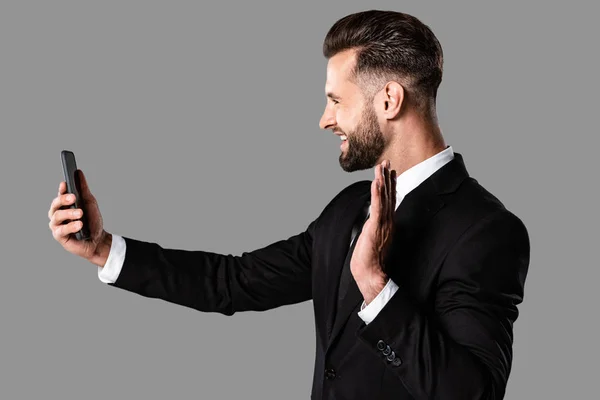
462 350
269 277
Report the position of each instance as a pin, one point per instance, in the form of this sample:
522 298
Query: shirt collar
415 175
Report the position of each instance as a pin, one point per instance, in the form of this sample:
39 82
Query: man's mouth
344 141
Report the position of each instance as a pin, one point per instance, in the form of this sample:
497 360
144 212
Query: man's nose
327 119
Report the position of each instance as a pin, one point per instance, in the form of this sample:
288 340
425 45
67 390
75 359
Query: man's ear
393 99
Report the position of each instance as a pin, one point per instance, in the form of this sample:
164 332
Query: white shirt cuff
116 257
369 312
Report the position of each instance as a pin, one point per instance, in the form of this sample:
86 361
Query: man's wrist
102 250
372 286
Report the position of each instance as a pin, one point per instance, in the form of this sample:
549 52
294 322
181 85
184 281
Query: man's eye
334 101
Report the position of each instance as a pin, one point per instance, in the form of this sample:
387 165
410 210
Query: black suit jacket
458 255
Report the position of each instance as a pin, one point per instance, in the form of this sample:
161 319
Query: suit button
396 362
330 373
391 356
387 350
380 345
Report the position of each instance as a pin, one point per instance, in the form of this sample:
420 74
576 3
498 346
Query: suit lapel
416 209
339 248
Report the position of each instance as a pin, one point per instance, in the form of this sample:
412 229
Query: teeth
343 137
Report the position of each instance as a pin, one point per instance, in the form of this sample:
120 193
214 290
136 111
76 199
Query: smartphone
73 186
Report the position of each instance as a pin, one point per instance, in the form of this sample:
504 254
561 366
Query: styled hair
390 45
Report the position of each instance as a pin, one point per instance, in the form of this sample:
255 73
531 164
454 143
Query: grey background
197 127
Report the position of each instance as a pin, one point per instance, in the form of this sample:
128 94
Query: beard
365 144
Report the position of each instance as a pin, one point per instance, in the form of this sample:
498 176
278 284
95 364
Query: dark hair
390 46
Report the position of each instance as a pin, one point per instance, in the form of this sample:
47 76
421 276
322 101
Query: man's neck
422 143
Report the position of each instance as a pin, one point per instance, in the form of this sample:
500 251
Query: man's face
348 113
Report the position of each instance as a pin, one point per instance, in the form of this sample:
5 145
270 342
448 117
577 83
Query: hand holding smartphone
73 186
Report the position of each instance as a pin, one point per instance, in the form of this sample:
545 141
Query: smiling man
415 276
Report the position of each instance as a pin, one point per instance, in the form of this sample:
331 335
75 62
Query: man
415 276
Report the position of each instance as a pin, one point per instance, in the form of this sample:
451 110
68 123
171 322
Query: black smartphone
69 171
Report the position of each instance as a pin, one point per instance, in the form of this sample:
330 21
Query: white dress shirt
405 183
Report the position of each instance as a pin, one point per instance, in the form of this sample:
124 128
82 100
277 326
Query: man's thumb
84 189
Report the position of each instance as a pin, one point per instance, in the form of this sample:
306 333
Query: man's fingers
54 206
57 203
383 198
62 187
381 179
378 199
393 189
385 208
391 203
388 191
61 232
375 200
